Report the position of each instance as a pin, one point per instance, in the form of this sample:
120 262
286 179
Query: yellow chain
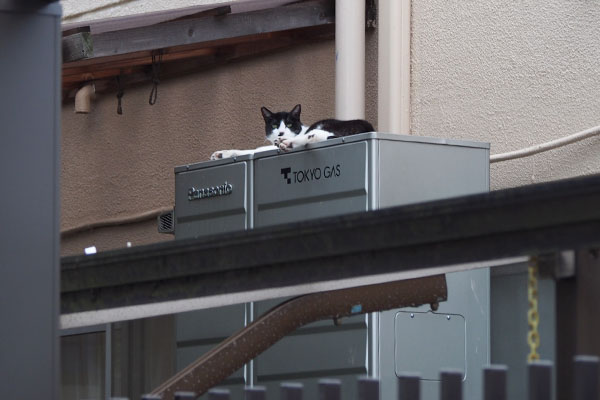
533 318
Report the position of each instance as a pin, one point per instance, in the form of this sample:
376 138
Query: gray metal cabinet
359 173
212 197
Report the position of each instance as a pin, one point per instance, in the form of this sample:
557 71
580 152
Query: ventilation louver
166 222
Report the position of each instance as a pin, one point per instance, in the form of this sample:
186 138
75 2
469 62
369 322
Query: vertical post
585 378
291 391
330 389
393 65
255 393
368 388
349 59
540 380
566 335
409 387
588 299
108 361
185 396
494 382
219 394
30 68
451 386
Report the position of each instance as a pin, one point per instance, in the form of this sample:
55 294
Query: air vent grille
166 222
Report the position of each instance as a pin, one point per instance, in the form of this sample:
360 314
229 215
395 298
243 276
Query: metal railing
586 371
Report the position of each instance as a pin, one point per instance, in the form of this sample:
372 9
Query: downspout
393 92
349 59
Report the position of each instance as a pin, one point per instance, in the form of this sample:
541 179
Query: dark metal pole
494 382
585 377
330 389
540 380
368 388
451 387
409 386
30 68
291 391
255 393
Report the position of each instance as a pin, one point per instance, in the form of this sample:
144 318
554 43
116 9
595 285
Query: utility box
345 175
213 197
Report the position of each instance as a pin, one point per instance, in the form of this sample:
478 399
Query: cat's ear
296 111
266 113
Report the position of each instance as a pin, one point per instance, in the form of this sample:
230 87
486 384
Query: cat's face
282 125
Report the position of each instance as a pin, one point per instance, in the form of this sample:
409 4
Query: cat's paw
317 135
285 144
217 155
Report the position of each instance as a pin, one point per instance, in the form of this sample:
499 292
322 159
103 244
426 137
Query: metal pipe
216 365
393 53
350 59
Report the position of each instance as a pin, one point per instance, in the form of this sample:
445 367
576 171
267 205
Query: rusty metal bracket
216 365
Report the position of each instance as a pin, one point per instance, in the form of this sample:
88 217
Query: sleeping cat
286 132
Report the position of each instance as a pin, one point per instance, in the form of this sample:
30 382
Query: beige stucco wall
118 165
513 74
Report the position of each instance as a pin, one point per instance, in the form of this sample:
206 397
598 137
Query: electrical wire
539 148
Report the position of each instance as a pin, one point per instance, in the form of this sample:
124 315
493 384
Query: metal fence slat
451 386
291 391
409 386
368 388
494 382
219 394
255 393
540 380
151 397
185 396
330 389
585 378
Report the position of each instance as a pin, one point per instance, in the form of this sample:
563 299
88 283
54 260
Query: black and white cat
285 131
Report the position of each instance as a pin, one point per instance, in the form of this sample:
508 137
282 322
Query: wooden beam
134 68
206 29
77 46
208 38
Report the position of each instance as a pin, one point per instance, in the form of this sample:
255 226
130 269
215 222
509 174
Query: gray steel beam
410 239
29 205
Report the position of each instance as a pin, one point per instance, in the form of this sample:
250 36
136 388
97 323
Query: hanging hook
120 94
155 74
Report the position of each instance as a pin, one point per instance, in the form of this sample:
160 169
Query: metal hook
155 80
120 94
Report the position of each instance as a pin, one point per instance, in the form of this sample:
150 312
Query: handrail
220 362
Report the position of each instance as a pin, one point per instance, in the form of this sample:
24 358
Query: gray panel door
310 184
208 201
457 336
211 200
296 187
